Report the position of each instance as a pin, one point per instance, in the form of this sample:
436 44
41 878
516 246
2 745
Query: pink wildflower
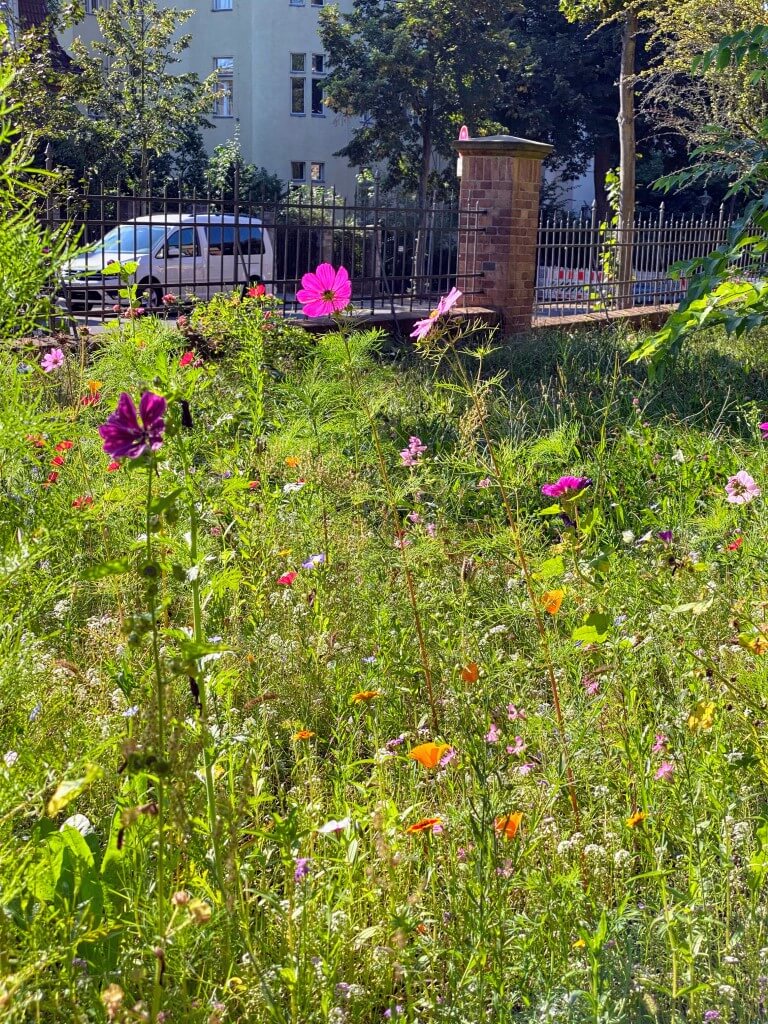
422 328
659 744
410 456
741 488
485 482
514 713
325 292
566 487
525 769
517 748
52 360
591 685
431 529
493 734
665 771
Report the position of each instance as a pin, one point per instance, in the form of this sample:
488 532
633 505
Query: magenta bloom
665 536
741 488
660 743
764 428
325 292
665 771
126 434
566 487
422 328
410 456
493 734
52 360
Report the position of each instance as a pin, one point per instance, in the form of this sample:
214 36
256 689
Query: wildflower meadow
351 682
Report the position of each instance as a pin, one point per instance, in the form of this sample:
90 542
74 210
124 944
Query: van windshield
132 239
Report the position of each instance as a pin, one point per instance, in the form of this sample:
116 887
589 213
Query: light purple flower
414 517
124 436
431 529
422 327
391 744
741 488
52 360
525 769
710 1015
659 743
448 756
410 456
591 685
392 1014
485 482
314 561
566 487
302 868
513 713
493 734
665 771
516 748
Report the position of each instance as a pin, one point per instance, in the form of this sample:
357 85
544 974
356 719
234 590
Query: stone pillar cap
504 145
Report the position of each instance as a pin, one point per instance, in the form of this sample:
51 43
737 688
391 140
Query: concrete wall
260 36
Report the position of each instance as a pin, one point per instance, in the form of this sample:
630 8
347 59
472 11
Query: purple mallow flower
665 536
128 434
314 561
566 487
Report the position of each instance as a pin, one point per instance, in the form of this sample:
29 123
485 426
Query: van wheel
150 291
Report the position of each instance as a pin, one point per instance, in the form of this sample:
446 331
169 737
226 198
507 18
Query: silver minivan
182 254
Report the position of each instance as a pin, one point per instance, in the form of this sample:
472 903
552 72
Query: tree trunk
604 159
628 150
419 284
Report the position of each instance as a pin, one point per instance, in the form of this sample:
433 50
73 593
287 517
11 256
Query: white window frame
224 104
303 165
318 179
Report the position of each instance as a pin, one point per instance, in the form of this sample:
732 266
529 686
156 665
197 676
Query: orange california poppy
365 695
423 825
303 734
552 600
292 462
430 754
95 386
471 672
636 819
507 824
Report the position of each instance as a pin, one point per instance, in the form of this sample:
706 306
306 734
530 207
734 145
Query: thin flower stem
197 630
409 581
523 560
161 758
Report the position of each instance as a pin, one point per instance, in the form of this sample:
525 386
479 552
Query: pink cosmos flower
124 436
52 360
741 488
325 292
422 328
493 734
665 771
566 487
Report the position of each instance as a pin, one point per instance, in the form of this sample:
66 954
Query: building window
318 3
224 104
298 63
298 170
317 172
297 95
318 63
91 6
297 3
222 5
317 96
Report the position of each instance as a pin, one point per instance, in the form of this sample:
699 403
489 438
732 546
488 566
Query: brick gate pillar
501 174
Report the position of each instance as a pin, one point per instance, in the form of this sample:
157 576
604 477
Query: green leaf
594 631
118 567
551 568
551 510
68 790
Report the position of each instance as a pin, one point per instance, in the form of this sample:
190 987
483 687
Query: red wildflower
286 580
187 358
735 544
57 460
52 478
83 502
113 467
36 440
256 293
64 446
253 485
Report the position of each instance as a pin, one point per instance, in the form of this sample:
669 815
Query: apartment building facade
271 68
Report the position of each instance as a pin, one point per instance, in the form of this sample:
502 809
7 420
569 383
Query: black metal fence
399 257
583 268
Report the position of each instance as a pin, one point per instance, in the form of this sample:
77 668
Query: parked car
184 254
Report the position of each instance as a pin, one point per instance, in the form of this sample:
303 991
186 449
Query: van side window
221 240
186 240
